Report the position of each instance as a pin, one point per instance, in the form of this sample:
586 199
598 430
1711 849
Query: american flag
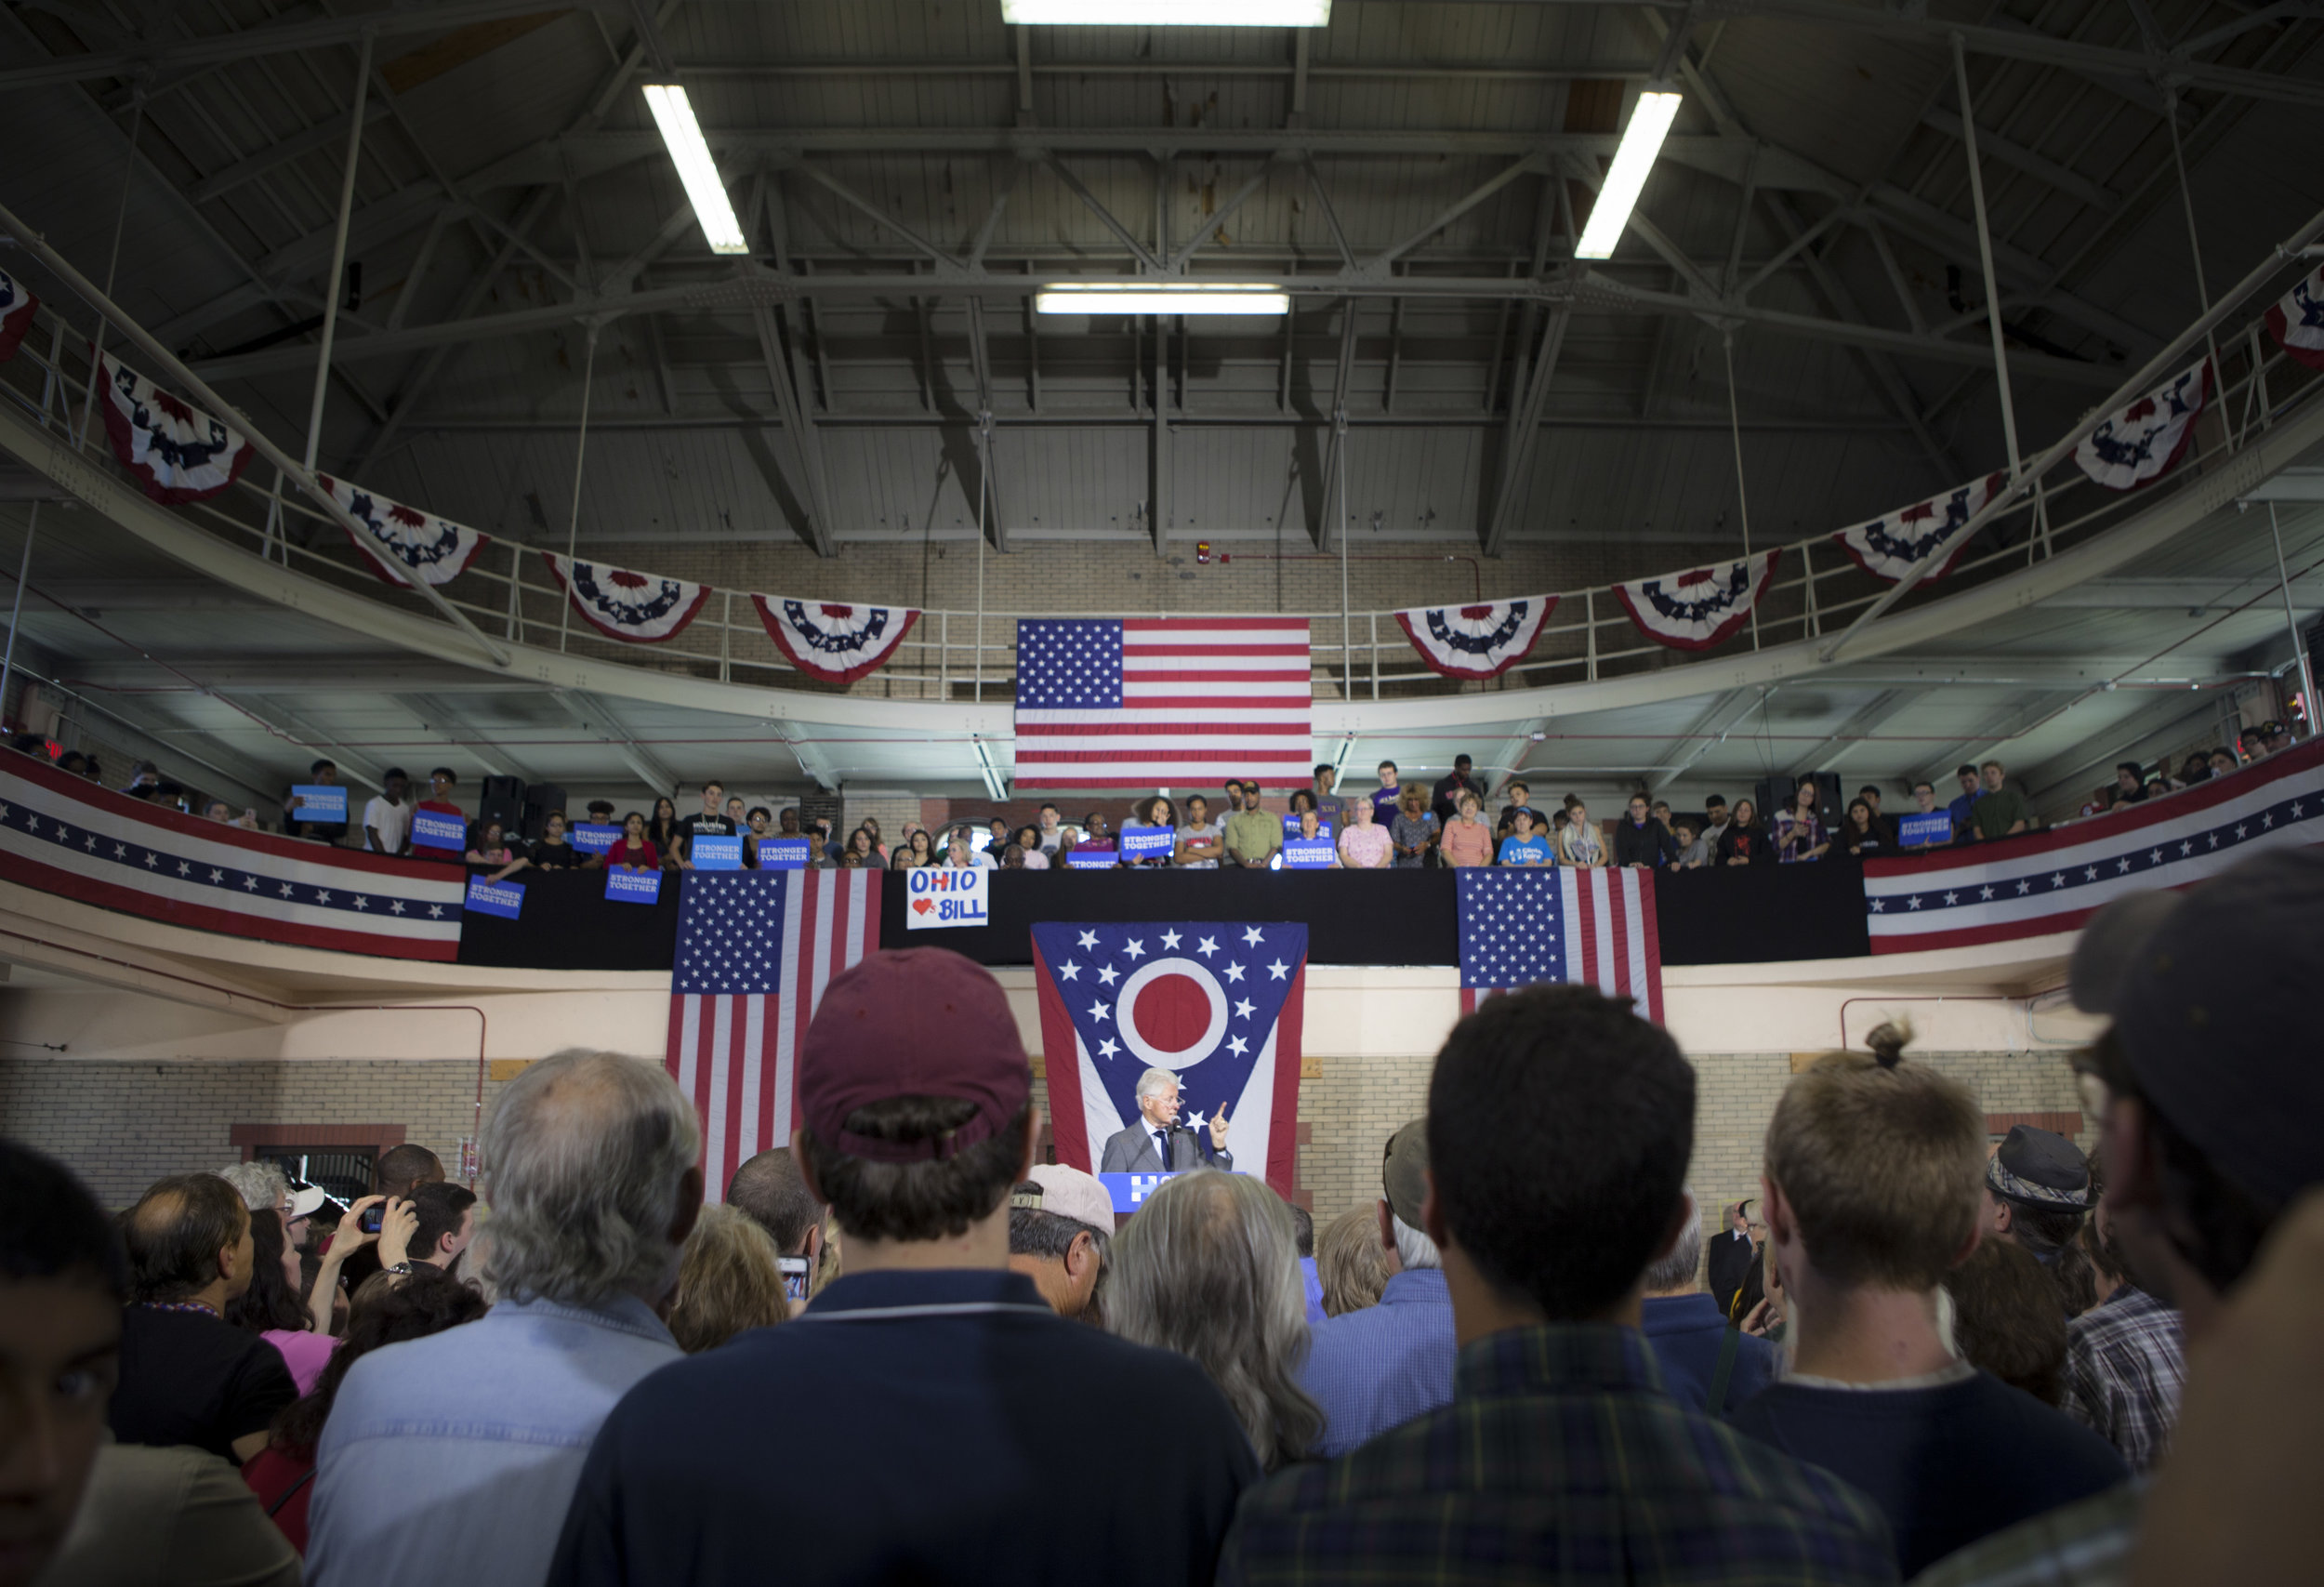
1163 702
1592 926
755 950
63 834
2053 882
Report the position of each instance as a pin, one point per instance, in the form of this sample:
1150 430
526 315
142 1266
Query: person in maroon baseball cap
939 1399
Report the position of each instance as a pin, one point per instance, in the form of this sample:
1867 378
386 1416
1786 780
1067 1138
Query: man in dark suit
1732 1255
1158 1142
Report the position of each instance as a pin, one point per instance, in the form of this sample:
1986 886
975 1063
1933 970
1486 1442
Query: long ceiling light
1649 124
1161 297
1169 13
692 157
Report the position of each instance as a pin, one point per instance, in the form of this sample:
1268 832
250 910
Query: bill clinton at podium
1158 1142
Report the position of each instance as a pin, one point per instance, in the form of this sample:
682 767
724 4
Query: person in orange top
1467 841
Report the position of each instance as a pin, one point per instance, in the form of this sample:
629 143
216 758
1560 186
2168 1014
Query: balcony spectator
1972 790
1030 855
2101 800
1388 798
1000 836
962 851
1800 830
1881 823
1365 845
1694 849
1253 836
1050 829
1660 811
1524 846
1013 858
387 819
1097 834
1413 830
2195 768
710 821
736 816
1201 843
442 782
1329 805
2130 783
2221 762
1520 797
758 825
323 774
1467 840
1924 803
1643 841
1577 842
492 851
602 811
145 781
1311 830
862 852
632 851
1715 823
1304 798
218 809
2001 812
1744 842
920 850
1154 814
1444 799
555 850
1861 834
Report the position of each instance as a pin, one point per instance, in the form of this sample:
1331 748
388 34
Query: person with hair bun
1577 842
1873 1193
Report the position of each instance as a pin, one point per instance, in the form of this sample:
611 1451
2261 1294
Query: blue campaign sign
504 899
632 886
1144 843
1093 859
1309 853
320 801
940 896
782 854
593 837
434 829
1918 831
1130 1190
709 853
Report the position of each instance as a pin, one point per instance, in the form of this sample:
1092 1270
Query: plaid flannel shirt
2124 1365
1561 1458
2083 1545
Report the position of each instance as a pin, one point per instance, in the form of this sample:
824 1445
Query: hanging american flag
644 608
17 308
64 835
2053 882
835 642
755 950
176 452
1163 702
1592 926
2143 440
403 543
1482 641
1699 609
2296 321
1893 544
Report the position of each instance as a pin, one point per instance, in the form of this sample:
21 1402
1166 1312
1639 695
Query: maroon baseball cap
917 1022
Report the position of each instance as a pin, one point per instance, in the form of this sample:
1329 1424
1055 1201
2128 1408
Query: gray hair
1413 1247
584 1156
1208 1268
1678 1267
261 1184
1152 1080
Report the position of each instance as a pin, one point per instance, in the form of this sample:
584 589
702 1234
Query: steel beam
1524 430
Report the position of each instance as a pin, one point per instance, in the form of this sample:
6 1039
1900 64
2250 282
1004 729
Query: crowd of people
901 1349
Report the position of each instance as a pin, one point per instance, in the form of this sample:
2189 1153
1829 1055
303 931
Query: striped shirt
2125 1363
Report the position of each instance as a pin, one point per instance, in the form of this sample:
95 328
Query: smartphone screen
795 1276
371 1219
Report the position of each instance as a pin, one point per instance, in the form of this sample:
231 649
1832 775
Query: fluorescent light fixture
1161 297
1169 13
692 157
1649 124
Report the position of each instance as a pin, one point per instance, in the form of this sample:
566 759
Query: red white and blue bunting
1481 640
1891 546
1695 610
16 315
834 642
178 453
643 608
2139 443
402 542
2297 322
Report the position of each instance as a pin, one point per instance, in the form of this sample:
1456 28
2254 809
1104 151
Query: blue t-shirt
1947 1465
1959 810
1516 850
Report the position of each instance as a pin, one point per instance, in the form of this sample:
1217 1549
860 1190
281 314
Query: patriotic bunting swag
178 453
1695 610
1893 544
16 315
2296 323
640 607
2141 443
402 542
831 641
1482 640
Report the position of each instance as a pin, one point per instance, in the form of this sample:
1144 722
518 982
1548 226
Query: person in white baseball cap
1059 1222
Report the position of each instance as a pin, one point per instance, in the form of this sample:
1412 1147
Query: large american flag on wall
2053 882
755 950
1163 702
1520 926
65 835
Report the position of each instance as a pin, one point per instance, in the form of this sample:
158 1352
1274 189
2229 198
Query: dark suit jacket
1730 1263
1133 1151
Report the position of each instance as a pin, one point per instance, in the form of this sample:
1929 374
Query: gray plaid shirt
2124 1364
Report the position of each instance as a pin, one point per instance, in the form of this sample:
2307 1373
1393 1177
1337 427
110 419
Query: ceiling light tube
1649 124
1160 297
1169 13
674 116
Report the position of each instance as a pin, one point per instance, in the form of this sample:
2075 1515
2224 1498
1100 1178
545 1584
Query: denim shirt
453 1457
1380 1367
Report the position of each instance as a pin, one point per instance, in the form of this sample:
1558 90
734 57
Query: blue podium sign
1130 1190
632 886
593 837
1309 853
434 829
1919 831
711 852
504 899
782 853
1093 859
1147 842
321 802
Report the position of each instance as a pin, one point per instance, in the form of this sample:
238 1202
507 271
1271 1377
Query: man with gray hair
1706 1361
1158 1142
454 1457
263 1185
1380 1367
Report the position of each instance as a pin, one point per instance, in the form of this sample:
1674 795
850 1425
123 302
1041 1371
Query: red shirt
644 854
272 1473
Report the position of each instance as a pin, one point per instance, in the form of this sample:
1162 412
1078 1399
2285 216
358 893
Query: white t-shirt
393 822
1205 832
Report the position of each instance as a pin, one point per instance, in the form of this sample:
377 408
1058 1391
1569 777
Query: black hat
2040 1168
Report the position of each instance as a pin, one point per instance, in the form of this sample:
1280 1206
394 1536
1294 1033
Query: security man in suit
1158 1142
1731 1256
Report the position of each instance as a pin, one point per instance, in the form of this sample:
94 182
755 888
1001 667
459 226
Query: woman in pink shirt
1467 841
1364 845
